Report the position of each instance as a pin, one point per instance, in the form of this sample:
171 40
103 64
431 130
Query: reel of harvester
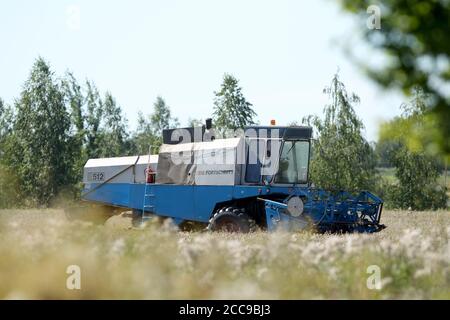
326 211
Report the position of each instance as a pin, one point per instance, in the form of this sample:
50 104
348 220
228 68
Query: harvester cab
257 177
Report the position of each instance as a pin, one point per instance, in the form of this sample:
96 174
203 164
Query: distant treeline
58 123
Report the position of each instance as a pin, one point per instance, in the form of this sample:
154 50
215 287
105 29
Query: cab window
293 164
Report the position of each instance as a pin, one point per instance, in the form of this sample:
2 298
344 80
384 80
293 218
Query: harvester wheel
231 219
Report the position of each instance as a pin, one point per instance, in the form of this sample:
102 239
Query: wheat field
159 262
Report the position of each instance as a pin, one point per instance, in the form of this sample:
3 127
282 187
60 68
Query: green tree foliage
75 99
42 157
75 105
6 120
342 158
3 125
9 188
383 151
94 114
417 187
231 110
416 171
149 129
9 193
412 130
414 36
114 135
99 126
144 136
161 118
193 122
49 133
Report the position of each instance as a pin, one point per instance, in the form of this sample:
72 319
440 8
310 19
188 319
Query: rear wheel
232 219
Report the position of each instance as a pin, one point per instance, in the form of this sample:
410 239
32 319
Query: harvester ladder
148 204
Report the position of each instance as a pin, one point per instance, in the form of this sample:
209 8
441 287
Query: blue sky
283 52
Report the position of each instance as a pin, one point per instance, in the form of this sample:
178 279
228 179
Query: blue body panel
185 202
114 194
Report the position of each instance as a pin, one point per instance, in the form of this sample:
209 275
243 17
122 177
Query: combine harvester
257 179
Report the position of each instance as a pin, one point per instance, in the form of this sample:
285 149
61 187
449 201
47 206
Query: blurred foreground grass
36 247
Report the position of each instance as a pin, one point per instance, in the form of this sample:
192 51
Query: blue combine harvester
259 178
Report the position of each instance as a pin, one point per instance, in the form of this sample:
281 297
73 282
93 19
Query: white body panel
103 169
215 166
214 163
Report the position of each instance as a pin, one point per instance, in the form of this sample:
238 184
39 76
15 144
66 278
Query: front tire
232 219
